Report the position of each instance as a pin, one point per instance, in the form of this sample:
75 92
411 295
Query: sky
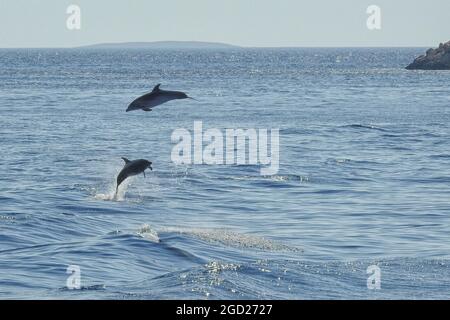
255 23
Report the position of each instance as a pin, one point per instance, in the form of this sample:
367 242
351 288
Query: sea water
363 180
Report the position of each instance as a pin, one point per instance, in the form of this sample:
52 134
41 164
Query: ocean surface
364 176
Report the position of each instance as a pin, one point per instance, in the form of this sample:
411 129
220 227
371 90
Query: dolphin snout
132 106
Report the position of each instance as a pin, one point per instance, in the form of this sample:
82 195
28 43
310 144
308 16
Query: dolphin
155 98
132 168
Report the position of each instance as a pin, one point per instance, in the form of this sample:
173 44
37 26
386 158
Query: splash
111 194
290 177
146 232
217 267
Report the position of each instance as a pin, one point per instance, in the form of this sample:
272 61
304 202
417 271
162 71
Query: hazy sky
42 23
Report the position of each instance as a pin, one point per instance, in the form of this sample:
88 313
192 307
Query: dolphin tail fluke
126 160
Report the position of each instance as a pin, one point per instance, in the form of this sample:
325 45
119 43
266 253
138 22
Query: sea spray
111 194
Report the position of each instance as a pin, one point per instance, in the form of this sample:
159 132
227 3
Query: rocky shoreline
434 59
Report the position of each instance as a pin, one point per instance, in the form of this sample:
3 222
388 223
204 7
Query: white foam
233 239
111 194
145 231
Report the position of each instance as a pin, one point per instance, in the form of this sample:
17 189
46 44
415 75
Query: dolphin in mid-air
155 98
132 168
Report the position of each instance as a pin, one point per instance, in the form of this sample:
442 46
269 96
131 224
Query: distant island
162 45
434 59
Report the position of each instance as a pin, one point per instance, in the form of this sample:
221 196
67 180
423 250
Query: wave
224 237
401 278
146 232
93 287
275 178
363 126
232 239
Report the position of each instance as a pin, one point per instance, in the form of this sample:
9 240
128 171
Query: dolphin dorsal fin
126 160
156 88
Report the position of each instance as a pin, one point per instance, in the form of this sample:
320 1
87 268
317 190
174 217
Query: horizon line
212 43
231 48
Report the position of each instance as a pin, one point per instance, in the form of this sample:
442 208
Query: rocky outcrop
435 59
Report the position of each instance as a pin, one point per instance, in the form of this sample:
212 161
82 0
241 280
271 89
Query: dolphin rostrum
155 98
132 168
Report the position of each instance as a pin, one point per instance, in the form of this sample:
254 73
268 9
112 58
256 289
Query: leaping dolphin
132 168
155 98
